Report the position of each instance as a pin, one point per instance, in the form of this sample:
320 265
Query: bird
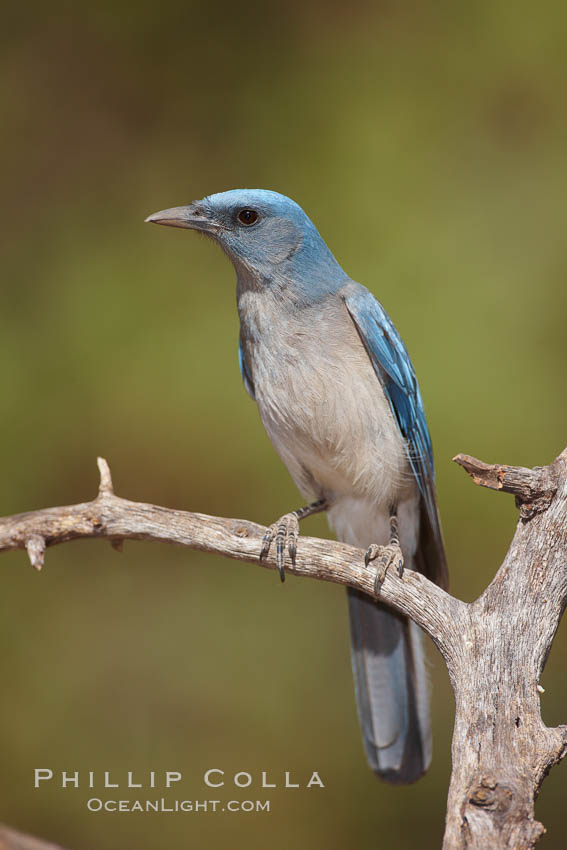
339 399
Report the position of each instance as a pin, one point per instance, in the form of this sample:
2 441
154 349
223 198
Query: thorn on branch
105 485
534 489
35 546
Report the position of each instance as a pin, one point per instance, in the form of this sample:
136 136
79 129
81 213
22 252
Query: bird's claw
390 555
285 531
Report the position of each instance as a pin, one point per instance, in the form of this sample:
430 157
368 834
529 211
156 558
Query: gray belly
325 412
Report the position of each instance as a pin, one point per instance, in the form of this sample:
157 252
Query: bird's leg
387 555
286 531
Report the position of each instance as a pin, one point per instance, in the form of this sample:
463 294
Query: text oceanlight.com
95 804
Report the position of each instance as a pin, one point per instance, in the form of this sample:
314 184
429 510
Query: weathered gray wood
118 519
534 488
12 840
495 648
502 750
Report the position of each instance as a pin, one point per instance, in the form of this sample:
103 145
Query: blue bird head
265 234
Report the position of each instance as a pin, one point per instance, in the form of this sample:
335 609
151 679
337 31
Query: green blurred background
428 143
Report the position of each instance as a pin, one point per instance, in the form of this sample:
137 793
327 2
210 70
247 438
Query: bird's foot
388 556
285 531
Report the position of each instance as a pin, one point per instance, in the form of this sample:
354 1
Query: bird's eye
247 217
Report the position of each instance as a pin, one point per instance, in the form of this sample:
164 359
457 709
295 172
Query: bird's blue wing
245 371
393 367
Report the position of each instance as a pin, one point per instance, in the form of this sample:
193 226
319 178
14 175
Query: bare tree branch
12 840
534 488
502 750
495 648
109 516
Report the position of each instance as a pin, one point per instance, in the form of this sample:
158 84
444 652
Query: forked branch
495 648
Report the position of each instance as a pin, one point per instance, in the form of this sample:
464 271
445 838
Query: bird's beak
192 217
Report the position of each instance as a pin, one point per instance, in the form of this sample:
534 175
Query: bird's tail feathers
391 690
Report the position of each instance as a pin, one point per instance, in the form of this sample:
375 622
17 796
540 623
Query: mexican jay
339 399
